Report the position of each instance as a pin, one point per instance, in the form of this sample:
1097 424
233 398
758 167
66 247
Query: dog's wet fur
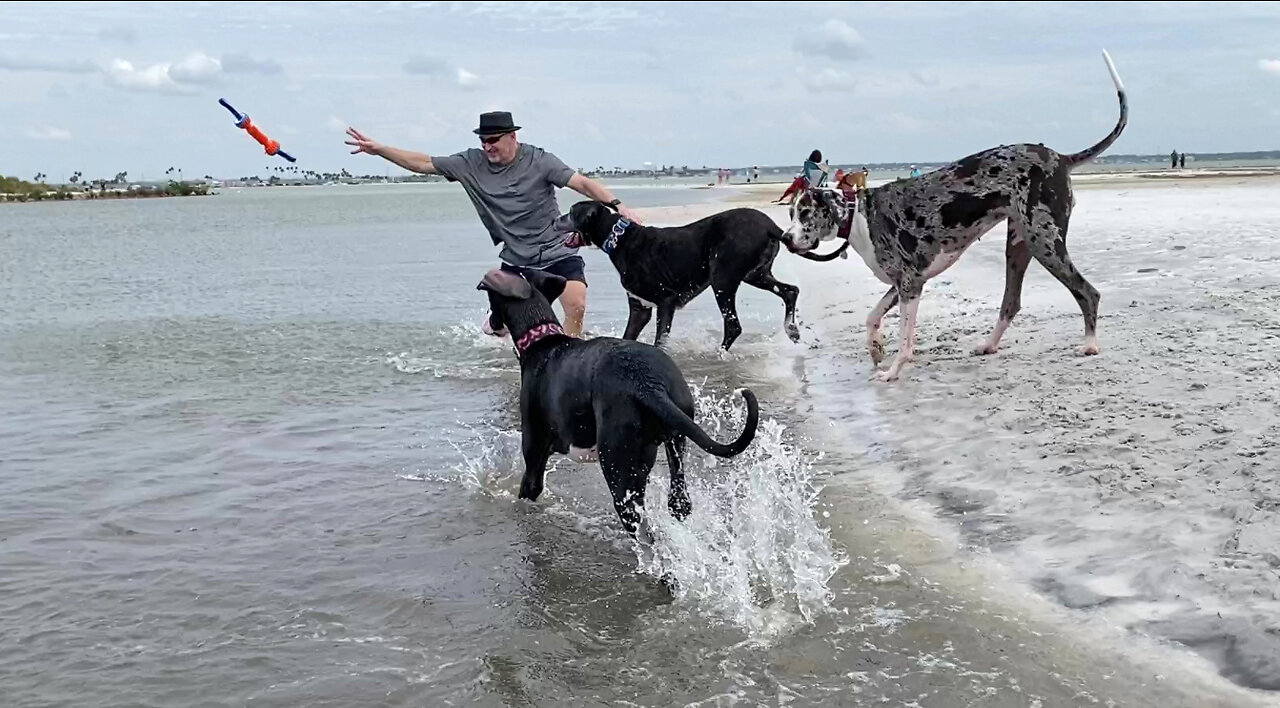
666 268
621 397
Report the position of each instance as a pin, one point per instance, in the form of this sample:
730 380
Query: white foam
751 554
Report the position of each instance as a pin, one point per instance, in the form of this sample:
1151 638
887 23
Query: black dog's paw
670 582
680 506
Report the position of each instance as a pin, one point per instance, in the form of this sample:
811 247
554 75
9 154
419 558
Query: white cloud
245 64
48 133
829 80
196 68
1271 66
122 75
468 80
835 39
56 66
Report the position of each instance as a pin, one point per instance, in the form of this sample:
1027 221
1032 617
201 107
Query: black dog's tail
827 257
776 234
1090 153
662 406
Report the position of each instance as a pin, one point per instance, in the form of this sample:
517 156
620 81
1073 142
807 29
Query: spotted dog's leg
909 295
1016 259
1047 241
875 343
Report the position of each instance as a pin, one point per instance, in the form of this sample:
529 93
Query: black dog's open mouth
575 240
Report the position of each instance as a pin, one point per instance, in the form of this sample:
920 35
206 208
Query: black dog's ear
506 284
549 284
610 207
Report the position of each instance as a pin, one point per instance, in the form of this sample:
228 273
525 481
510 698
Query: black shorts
571 268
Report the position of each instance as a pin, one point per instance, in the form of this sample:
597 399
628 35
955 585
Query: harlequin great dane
911 230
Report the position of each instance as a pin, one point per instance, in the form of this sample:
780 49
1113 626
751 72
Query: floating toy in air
242 121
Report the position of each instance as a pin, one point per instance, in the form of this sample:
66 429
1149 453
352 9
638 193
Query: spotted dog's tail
1090 153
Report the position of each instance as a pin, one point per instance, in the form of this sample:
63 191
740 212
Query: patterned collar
537 334
851 197
610 243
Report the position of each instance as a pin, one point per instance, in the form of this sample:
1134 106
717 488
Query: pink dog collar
537 334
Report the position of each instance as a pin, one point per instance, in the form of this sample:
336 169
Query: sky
101 88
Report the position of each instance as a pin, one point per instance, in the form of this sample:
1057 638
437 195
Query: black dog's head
816 216
521 303
587 224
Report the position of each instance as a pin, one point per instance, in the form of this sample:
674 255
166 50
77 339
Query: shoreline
763 193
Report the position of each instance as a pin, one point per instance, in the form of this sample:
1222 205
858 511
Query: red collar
537 334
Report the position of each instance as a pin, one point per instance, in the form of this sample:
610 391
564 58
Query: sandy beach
1133 490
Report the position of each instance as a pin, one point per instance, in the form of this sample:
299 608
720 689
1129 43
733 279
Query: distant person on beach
812 175
513 188
1173 159
815 170
915 171
1182 161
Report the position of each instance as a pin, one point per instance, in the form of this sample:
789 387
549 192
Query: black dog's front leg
640 314
537 449
666 312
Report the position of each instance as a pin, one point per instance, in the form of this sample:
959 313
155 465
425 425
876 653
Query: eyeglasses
492 139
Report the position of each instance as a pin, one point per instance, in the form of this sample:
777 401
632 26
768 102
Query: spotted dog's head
587 224
816 216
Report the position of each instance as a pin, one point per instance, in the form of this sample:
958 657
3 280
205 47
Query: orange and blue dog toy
242 121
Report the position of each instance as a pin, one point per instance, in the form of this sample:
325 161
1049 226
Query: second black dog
666 268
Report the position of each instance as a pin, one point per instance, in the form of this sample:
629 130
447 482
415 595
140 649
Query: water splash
752 553
459 351
488 458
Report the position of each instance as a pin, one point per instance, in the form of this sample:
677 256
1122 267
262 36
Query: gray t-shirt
516 202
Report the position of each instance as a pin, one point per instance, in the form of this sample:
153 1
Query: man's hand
362 144
592 189
629 215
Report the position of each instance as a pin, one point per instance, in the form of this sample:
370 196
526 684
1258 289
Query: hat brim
496 131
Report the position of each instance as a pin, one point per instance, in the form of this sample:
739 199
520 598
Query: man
512 186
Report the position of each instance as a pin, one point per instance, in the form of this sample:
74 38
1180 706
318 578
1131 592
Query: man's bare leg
574 303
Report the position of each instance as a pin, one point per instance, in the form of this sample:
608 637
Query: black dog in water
620 397
668 267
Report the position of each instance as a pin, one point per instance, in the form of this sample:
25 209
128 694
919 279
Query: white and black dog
911 230
668 267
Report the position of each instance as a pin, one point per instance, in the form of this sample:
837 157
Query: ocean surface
254 451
